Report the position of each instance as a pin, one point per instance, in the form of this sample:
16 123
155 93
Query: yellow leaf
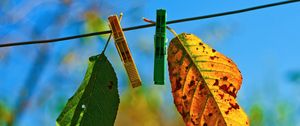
204 84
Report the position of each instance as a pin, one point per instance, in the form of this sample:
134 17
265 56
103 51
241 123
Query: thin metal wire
149 25
153 22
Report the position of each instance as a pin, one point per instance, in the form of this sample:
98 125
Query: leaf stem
152 22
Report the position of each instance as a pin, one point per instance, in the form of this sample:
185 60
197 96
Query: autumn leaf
204 83
96 101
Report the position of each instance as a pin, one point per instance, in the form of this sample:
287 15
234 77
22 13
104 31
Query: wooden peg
124 51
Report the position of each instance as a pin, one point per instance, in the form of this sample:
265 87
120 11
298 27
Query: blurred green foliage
94 23
5 115
256 115
144 107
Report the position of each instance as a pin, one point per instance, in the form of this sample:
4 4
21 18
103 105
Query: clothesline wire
149 25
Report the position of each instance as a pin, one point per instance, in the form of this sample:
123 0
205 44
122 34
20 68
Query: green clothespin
160 41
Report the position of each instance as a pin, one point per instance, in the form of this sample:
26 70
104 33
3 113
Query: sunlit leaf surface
204 83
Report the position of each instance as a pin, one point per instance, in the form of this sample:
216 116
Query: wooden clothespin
160 41
124 52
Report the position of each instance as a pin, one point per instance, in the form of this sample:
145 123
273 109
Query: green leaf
96 101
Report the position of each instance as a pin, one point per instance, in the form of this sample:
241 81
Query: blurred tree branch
31 82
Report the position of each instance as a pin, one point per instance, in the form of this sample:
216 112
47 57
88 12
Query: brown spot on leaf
235 106
221 95
178 84
194 123
201 86
204 124
226 112
187 68
213 57
233 90
185 114
210 114
232 94
213 50
192 83
226 89
203 49
183 97
216 82
225 78
110 85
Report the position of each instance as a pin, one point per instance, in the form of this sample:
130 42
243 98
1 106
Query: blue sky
263 43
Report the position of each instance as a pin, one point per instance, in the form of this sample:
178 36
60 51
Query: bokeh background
37 80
